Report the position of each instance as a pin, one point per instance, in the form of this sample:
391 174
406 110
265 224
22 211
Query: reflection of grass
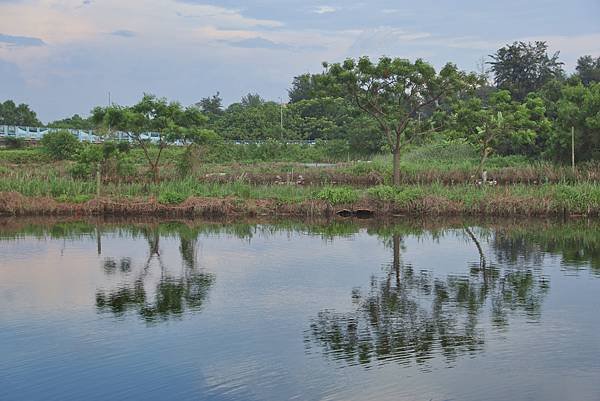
577 240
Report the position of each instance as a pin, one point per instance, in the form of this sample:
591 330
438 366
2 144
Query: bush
337 195
383 192
24 156
15 143
451 151
61 145
171 198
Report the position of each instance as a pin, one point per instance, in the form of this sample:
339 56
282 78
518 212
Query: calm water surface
338 311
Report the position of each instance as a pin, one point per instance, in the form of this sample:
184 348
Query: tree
523 68
252 100
301 88
307 87
319 118
61 145
212 105
394 92
74 122
588 69
153 122
498 122
252 119
11 114
578 107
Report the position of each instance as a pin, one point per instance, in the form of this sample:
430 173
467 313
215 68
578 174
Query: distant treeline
520 102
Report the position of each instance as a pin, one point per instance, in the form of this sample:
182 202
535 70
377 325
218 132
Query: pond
325 310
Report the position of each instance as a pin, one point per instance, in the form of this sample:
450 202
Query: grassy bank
194 199
436 180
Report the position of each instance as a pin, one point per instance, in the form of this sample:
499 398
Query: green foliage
588 69
499 124
404 196
172 122
450 150
14 143
578 107
11 114
74 122
108 157
395 92
522 68
171 198
61 145
338 195
24 156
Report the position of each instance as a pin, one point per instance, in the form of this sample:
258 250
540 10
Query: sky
64 56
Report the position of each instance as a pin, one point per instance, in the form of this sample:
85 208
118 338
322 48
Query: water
344 311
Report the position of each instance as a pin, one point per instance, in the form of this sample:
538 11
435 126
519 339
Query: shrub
171 198
383 192
15 143
336 195
61 145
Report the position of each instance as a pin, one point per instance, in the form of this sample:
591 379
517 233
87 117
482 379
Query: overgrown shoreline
382 201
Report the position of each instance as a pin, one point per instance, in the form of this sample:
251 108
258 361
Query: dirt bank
15 204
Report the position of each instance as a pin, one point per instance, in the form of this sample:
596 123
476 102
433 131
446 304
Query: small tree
394 92
61 145
170 122
490 124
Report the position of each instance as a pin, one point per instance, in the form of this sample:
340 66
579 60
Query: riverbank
224 200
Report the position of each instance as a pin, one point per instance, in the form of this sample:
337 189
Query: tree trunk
484 157
155 175
396 153
396 262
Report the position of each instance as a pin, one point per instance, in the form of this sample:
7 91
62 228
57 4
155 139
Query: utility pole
573 148
109 106
281 116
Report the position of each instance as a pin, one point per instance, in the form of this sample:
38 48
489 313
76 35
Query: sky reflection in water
346 310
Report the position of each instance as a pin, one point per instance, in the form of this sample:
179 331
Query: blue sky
64 56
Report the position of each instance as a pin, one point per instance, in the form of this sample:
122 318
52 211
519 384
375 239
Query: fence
37 133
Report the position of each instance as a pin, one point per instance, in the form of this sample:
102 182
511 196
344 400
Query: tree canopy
522 68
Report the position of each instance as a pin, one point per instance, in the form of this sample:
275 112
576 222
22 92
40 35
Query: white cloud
324 10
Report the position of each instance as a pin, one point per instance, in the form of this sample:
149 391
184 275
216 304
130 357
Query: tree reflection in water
171 296
411 315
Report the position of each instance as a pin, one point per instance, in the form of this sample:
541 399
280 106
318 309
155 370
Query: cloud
324 10
259 43
123 33
22 41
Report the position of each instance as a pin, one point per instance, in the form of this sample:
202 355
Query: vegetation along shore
390 137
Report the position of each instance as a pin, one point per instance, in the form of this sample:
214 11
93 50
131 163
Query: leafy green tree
319 118
212 106
74 122
252 120
252 100
499 122
61 145
578 107
11 114
108 159
588 69
523 68
308 87
168 121
302 88
394 91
